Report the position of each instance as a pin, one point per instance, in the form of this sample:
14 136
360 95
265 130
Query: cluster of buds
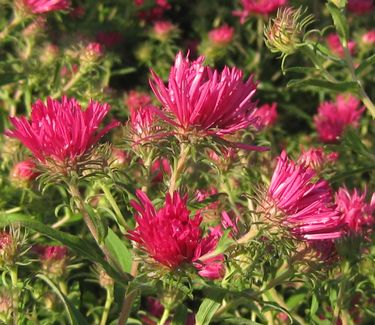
285 33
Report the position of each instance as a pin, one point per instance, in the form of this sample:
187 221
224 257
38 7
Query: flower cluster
174 239
334 117
304 203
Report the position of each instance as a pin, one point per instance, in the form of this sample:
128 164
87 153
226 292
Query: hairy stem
179 168
15 293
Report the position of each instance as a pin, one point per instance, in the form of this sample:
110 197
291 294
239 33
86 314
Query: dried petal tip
285 33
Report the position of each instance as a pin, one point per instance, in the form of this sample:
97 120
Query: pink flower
258 7
44 6
221 36
334 117
24 171
135 99
305 202
360 7
203 100
159 168
369 37
56 253
162 29
358 214
142 122
334 44
61 131
172 238
267 115
316 158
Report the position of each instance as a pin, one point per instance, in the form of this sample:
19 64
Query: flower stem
108 195
7 29
107 306
179 167
164 317
362 93
15 293
126 307
341 295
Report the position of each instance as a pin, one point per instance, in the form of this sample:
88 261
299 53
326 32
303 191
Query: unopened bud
92 53
163 30
8 249
23 173
105 280
53 259
285 32
5 305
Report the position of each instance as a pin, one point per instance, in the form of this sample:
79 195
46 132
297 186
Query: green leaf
238 321
180 315
365 63
8 78
207 309
79 246
324 84
123 71
75 317
314 306
339 21
119 251
99 222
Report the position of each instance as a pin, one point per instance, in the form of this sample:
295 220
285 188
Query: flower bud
221 36
5 305
53 259
285 32
92 53
23 173
8 249
163 30
105 280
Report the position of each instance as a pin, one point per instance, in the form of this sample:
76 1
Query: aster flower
358 214
303 204
172 238
162 29
334 44
44 6
258 7
334 117
24 172
204 101
360 7
267 115
142 121
221 36
316 158
369 37
61 131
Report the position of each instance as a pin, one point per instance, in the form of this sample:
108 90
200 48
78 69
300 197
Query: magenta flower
162 29
305 204
258 7
316 158
25 171
61 131
174 239
369 37
221 36
267 115
44 6
334 117
360 7
358 214
141 121
205 101
334 44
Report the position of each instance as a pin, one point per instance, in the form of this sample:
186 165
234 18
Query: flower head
135 99
53 259
334 117
334 44
60 131
285 32
304 203
203 100
162 29
258 7
142 122
44 6
24 172
267 115
221 36
369 37
358 214
172 238
316 158
360 7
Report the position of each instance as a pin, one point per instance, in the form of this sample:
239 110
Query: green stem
15 293
164 317
126 307
109 197
341 295
7 29
362 93
184 151
107 306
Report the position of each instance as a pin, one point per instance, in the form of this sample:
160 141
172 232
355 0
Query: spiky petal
172 238
305 205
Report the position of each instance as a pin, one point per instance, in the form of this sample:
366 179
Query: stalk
184 151
164 317
15 294
107 306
